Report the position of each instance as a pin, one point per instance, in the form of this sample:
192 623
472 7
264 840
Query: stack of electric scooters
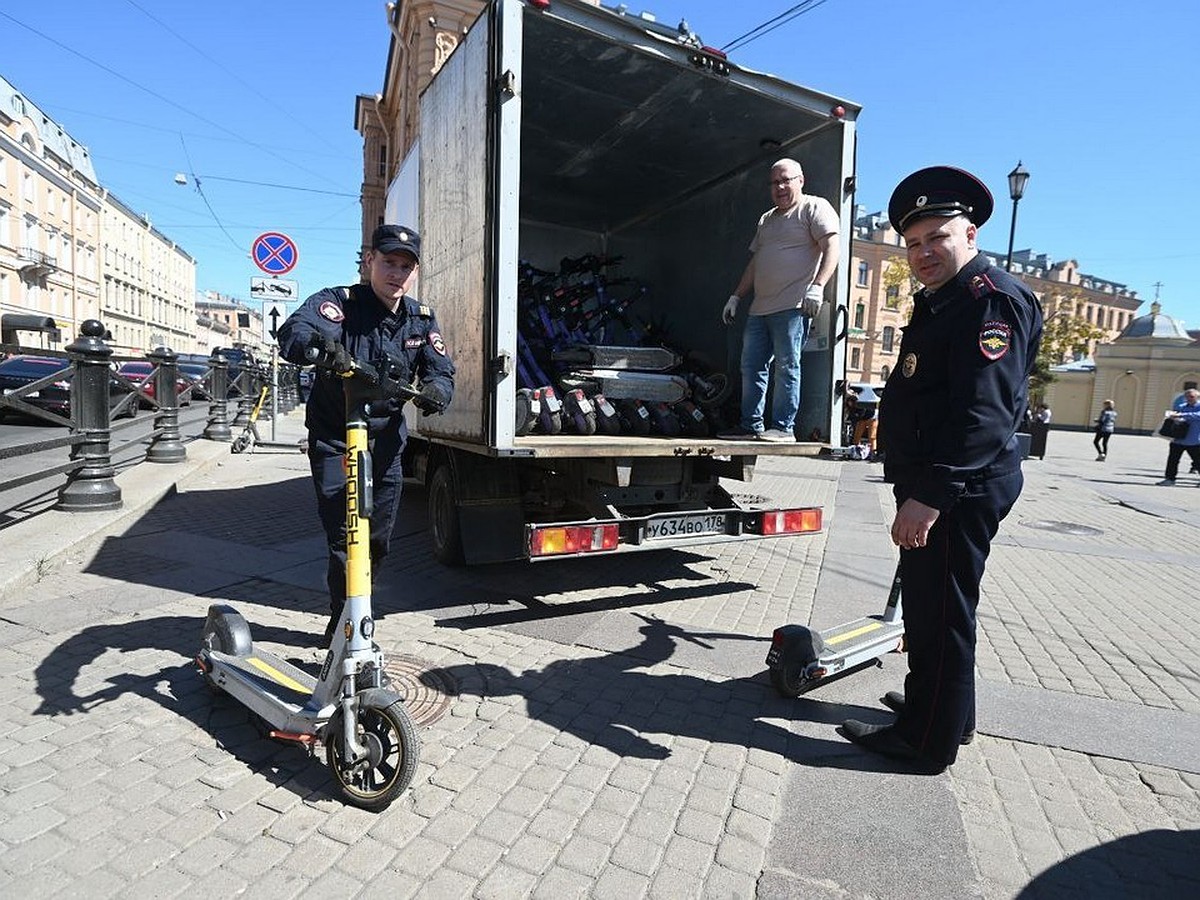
588 365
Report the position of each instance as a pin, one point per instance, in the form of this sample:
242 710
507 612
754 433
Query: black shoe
882 739
894 700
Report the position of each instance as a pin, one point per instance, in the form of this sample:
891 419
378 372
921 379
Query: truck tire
443 517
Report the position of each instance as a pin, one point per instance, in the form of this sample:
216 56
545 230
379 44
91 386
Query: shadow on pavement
178 688
1152 865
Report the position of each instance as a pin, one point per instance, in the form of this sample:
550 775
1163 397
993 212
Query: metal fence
99 391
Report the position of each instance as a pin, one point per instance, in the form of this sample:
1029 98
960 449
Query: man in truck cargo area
949 425
367 320
793 255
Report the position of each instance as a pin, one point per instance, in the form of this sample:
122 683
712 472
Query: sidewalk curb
35 546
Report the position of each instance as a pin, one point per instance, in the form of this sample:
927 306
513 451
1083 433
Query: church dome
1155 325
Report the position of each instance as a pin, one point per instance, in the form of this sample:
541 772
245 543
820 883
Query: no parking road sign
275 253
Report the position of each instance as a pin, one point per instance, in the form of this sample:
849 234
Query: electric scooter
802 658
371 744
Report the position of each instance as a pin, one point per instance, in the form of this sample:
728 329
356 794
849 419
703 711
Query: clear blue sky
1098 100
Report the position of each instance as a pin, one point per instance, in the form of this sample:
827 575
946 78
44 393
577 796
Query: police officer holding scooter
949 425
367 322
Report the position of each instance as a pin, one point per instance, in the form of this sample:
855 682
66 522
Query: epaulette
980 286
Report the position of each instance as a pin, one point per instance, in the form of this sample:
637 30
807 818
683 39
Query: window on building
889 337
383 161
855 358
863 274
860 312
893 296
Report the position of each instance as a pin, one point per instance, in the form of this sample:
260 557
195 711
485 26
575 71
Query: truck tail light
791 521
559 540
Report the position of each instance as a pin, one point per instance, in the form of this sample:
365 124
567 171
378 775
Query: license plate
685 526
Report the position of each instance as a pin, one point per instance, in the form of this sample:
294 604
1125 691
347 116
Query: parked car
195 374
138 372
20 370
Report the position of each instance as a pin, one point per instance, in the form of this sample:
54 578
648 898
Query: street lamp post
1017 179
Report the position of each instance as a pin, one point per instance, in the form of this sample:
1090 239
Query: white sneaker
1100 458
777 436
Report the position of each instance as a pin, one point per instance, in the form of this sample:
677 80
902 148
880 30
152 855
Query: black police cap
939 191
394 238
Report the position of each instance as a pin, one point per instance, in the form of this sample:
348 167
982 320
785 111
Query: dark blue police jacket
356 319
952 404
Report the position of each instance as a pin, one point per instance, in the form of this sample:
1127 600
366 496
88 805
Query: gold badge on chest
909 366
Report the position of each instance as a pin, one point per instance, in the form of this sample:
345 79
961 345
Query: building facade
224 321
50 226
881 297
149 284
70 250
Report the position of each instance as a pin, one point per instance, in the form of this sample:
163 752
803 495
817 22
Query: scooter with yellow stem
371 744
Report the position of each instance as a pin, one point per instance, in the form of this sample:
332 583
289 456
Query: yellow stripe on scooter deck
275 675
848 635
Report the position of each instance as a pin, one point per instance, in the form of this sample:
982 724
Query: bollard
288 383
218 413
91 486
165 446
262 379
247 397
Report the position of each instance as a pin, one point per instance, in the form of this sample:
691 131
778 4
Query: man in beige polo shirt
794 254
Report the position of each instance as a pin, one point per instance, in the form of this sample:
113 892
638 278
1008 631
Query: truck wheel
443 517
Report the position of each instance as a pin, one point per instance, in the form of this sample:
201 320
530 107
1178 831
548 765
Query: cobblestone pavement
600 730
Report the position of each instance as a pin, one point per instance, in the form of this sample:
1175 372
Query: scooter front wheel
393 750
787 680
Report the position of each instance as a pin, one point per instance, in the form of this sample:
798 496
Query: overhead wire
200 191
771 24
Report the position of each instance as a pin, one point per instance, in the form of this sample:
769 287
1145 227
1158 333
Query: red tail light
561 540
791 521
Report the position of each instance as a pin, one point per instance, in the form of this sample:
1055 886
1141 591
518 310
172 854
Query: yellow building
70 250
1150 364
50 211
881 296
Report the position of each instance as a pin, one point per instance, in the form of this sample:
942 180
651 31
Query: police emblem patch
908 367
438 344
995 337
331 311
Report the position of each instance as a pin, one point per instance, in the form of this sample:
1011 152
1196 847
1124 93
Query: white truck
559 129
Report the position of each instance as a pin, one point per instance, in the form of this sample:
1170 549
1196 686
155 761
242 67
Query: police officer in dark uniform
953 406
367 320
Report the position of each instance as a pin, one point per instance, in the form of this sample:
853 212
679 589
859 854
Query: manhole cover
426 690
1064 527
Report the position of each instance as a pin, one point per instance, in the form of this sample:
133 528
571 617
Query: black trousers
329 478
1175 453
1100 441
940 585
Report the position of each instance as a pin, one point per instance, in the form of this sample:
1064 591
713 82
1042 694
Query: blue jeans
779 338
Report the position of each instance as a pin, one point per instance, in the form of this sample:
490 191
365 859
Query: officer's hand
432 399
328 354
814 297
730 310
910 530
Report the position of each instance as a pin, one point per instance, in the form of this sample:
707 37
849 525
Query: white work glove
814 297
730 310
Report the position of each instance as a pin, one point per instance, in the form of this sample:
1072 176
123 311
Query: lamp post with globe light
1017 179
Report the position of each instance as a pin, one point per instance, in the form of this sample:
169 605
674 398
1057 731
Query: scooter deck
860 639
268 674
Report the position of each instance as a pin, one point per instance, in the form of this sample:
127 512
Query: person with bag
1187 409
1106 424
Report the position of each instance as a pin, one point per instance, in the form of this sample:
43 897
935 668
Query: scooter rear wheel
393 750
787 681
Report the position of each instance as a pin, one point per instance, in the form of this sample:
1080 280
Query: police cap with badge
397 238
939 191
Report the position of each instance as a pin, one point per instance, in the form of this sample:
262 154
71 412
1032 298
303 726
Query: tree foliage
1066 336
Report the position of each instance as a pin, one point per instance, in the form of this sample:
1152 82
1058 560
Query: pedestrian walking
949 429
1187 408
1106 424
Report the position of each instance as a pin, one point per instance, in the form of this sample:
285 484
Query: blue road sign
275 253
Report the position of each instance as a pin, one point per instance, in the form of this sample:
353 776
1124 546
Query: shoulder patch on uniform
331 311
424 310
435 340
995 337
981 285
